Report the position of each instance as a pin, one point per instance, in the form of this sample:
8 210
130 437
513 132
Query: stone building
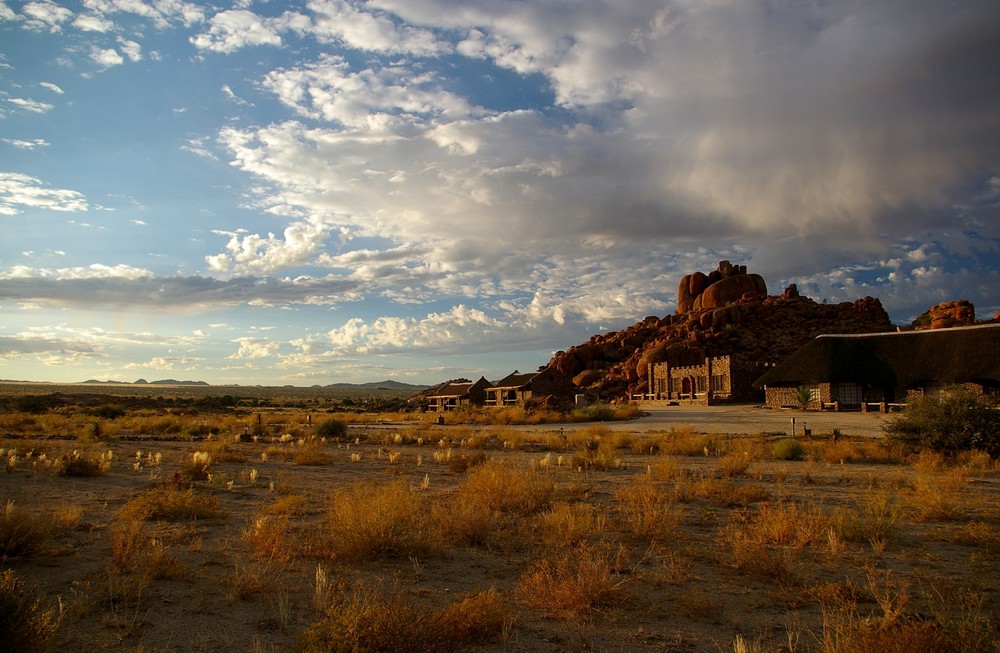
879 369
452 395
719 379
518 388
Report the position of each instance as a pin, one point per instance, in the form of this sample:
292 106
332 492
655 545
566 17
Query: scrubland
450 538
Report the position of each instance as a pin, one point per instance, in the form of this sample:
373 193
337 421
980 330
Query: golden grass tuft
26 625
646 511
370 619
499 487
585 579
566 525
376 520
24 532
311 453
171 503
767 542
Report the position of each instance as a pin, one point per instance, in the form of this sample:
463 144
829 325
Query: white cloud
386 99
364 29
162 12
34 106
26 145
254 348
52 87
131 49
91 23
106 57
231 30
19 191
45 15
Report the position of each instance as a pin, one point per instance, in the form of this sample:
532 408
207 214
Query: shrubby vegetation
956 420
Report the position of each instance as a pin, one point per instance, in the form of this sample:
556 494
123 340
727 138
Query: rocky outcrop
727 312
947 315
727 284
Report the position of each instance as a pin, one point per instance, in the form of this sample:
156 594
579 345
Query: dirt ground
689 590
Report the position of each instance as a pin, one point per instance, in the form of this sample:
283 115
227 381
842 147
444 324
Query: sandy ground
681 592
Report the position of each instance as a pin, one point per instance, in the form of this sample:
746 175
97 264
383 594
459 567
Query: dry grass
646 511
26 625
171 503
498 486
938 490
767 542
83 464
23 532
566 525
311 453
270 537
874 520
586 579
376 520
371 619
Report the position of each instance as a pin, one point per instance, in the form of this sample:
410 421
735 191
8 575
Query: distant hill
377 385
145 382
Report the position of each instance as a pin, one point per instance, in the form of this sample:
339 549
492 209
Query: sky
323 191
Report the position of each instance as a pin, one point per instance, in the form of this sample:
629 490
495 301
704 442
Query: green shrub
788 449
956 420
332 429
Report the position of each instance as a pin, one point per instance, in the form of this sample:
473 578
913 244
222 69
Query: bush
332 429
788 449
958 419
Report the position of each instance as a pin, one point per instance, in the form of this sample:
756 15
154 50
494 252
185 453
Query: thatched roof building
851 369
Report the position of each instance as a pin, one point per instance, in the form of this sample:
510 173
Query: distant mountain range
378 385
373 385
145 382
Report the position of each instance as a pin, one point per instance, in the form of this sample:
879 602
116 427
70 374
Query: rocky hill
725 312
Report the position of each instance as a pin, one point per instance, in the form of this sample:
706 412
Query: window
850 393
719 383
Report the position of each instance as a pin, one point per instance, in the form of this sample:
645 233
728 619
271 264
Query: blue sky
330 190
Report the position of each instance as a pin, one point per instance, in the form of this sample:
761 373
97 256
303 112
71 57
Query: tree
956 420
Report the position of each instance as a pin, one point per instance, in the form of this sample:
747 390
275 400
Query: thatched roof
515 380
458 388
903 360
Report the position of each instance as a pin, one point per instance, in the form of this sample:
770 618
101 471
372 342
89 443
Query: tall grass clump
566 525
873 520
22 532
646 511
26 625
376 520
83 464
171 503
585 579
500 487
938 490
768 541
371 620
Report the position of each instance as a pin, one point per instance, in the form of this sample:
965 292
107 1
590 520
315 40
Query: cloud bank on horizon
337 190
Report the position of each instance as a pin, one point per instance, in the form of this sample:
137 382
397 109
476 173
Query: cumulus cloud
254 348
162 13
106 57
19 191
45 15
364 29
233 29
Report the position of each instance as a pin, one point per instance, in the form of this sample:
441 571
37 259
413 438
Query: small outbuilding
857 371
